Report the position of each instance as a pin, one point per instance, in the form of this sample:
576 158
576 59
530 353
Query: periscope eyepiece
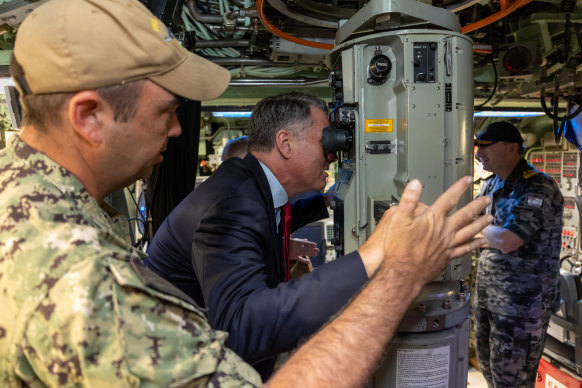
335 140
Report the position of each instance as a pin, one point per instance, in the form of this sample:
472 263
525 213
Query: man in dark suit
228 231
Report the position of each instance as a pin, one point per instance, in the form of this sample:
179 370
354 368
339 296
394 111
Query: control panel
564 343
564 167
570 230
425 61
554 166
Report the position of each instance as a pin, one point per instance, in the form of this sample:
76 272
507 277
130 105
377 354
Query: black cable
553 116
146 231
481 62
494 85
135 202
137 219
131 194
139 242
143 220
566 259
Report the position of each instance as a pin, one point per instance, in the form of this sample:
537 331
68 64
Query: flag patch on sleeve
535 201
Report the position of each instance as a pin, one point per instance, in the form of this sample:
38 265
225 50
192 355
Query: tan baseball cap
72 45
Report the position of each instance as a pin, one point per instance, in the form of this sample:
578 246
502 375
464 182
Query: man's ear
87 113
284 143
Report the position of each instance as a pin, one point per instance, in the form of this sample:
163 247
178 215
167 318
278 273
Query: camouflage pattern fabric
78 306
523 284
518 344
470 281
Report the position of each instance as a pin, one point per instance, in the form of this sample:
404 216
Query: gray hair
289 110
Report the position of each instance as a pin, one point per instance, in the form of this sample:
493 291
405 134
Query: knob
378 69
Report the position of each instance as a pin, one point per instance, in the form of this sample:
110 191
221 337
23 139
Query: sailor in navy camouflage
78 306
68 274
517 282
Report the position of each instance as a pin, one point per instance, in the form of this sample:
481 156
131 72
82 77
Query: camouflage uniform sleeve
101 326
536 202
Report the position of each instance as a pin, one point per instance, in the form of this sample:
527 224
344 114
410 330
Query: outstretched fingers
465 241
468 232
467 247
449 199
465 215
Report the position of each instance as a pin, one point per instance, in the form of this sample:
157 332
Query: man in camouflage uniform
518 272
78 307
99 81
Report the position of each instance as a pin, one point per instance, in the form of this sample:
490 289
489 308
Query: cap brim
195 78
483 142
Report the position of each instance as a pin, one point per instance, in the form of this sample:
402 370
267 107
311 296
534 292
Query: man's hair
235 147
289 110
42 110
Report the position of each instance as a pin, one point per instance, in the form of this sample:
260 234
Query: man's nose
175 128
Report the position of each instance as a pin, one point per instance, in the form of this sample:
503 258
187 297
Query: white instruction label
553 383
423 368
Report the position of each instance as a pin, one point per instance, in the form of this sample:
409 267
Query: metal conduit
218 19
191 4
223 43
214 27
241 61
275 82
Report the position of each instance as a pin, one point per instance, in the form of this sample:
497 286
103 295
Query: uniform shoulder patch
534 201
529 173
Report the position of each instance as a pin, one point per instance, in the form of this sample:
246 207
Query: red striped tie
286 222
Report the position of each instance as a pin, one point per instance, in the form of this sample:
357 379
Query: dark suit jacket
237 257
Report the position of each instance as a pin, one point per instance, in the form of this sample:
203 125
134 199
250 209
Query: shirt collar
509 182
51 171
279 194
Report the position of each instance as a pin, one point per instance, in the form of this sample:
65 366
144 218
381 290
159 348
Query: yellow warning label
379 125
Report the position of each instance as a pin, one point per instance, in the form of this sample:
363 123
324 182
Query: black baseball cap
499 131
